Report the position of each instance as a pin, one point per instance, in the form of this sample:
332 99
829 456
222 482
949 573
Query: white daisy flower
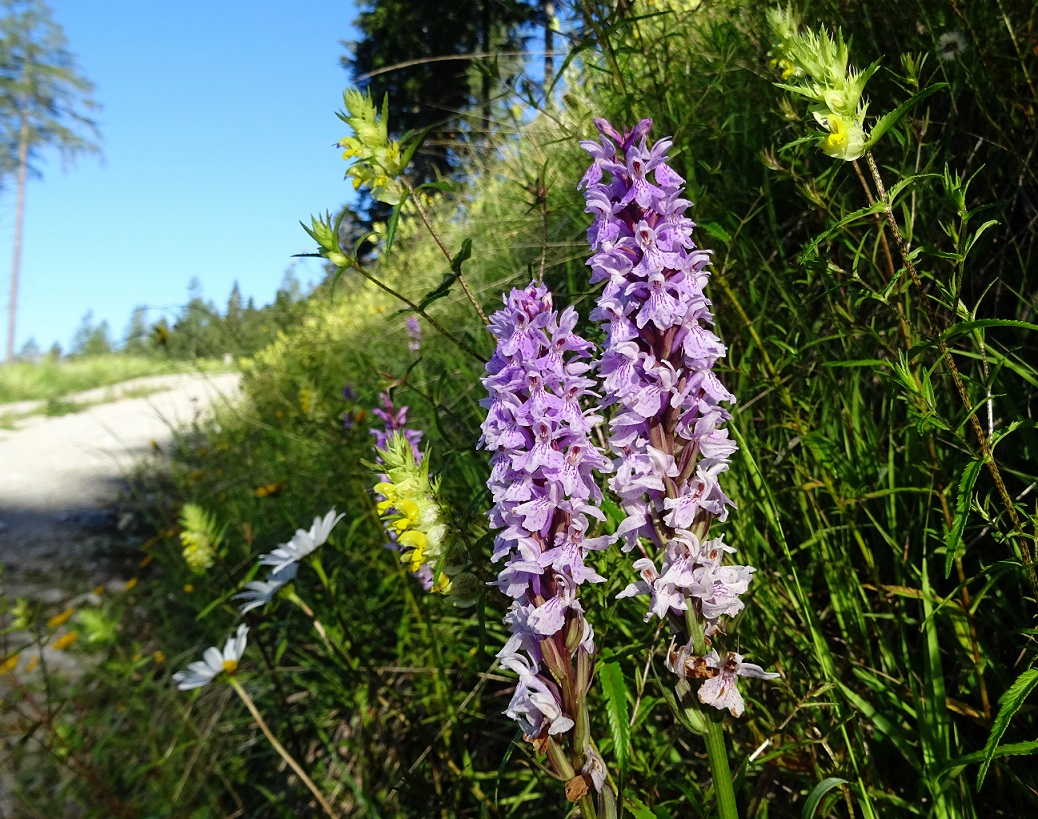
261 592
951 45
302 543
213 662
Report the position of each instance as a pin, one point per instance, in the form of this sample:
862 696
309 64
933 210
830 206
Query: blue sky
218 126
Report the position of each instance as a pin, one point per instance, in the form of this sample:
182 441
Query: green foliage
1009 705
615 693
859 475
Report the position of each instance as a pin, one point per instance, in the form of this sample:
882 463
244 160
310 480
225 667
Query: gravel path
58 479
59 474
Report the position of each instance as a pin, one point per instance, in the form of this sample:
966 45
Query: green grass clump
48 379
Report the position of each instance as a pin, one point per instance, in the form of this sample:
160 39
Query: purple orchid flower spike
667 433
543 485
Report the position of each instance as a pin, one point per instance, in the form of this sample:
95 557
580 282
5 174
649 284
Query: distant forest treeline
200 328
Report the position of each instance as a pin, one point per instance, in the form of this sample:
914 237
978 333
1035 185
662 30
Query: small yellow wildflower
99 589
158 657
130 583
409 515
837 133
59 619
410 511
189 587
9 664
146 560
389 495
34 661
413 544
269 489
65 641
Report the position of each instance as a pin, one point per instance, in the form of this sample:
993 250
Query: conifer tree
44 103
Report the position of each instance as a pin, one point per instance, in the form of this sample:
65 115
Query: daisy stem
285 755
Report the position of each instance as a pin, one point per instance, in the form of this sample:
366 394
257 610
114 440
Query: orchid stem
717 755
716 752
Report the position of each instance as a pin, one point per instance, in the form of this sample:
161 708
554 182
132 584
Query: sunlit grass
47 379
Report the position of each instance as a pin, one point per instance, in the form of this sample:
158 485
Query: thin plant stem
268 661
716 752
945 509
285 755
60 748
605 45
905 334
1016 48
443 249
436 325
960 387
717 755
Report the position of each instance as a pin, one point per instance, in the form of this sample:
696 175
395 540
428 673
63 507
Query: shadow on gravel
56 547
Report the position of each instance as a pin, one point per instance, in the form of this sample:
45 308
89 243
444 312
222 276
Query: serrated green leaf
976 235
638 809
462 256
812 246
814 798
962 512
412 145
895 191
715 230
612 680
886 122
1008 704
1009 430
394 222
966 326
443 288
955 766
444 186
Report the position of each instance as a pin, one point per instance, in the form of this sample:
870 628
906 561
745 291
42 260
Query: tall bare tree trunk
549 43
19 218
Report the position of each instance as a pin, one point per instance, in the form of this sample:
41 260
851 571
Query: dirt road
58 475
